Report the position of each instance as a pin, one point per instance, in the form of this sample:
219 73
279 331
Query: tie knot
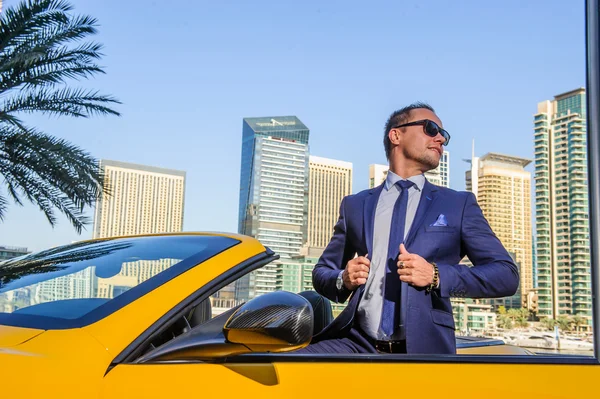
404 184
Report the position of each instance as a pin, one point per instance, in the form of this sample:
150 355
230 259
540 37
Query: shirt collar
393 178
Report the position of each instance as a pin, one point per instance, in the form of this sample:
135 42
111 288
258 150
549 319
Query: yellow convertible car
175 316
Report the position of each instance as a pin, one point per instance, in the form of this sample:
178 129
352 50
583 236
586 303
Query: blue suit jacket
429 320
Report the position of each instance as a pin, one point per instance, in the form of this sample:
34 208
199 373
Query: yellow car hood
12 336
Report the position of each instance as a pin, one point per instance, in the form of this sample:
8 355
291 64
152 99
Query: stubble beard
426 160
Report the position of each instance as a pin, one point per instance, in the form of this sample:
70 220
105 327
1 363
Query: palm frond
39 55
29 17
3 206
49 172
67 102
45 64
49 37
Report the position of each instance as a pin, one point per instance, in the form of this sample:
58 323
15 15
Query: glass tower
273 204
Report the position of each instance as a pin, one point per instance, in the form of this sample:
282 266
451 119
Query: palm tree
548 323
577 321
514 314
504 322
563 322
40 52
518 317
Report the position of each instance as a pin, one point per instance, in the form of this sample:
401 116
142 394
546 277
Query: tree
563 322
40 53
548 323
514 314
524 313
577 321
504 322
518 317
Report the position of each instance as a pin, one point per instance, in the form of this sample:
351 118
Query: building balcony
581 266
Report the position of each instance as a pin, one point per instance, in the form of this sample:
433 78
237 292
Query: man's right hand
356 272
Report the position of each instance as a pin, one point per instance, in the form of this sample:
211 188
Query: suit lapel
428 197
369 216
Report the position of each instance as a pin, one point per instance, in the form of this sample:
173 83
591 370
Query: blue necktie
390 313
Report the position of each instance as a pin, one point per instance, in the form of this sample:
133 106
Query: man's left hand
413 269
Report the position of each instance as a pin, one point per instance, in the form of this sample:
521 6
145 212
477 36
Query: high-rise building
273 203
141 200
377 174
131 274
329 182
7 252
534 263
503 190
473 316
439 176
77 285
562 226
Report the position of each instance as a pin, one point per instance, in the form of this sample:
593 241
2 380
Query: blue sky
188 71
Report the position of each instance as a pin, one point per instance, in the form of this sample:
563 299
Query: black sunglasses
430 128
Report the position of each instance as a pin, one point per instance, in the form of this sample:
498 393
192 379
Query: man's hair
397 118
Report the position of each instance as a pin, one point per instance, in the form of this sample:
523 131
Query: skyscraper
273 202
329 181
563 258
142 200
7 252
439 176
503 190
377 174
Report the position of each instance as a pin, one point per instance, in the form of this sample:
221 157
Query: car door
288 376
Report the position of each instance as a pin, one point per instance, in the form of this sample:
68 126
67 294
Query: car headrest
201 313
323 315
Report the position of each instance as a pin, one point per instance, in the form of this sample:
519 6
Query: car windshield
60 286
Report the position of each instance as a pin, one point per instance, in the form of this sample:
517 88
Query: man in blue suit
396 249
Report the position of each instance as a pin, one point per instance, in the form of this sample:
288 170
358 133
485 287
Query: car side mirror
275 322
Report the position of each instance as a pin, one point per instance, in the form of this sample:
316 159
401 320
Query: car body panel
351 379
11 336
90 362
56 363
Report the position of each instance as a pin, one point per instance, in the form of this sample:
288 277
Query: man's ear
394 136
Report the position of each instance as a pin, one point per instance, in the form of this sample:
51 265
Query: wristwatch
339 283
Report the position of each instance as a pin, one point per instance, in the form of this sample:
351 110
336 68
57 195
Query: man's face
414 145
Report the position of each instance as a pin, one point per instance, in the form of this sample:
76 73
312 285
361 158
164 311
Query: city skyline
191 122
281 167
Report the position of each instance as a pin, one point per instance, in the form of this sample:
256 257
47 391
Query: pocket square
441 221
